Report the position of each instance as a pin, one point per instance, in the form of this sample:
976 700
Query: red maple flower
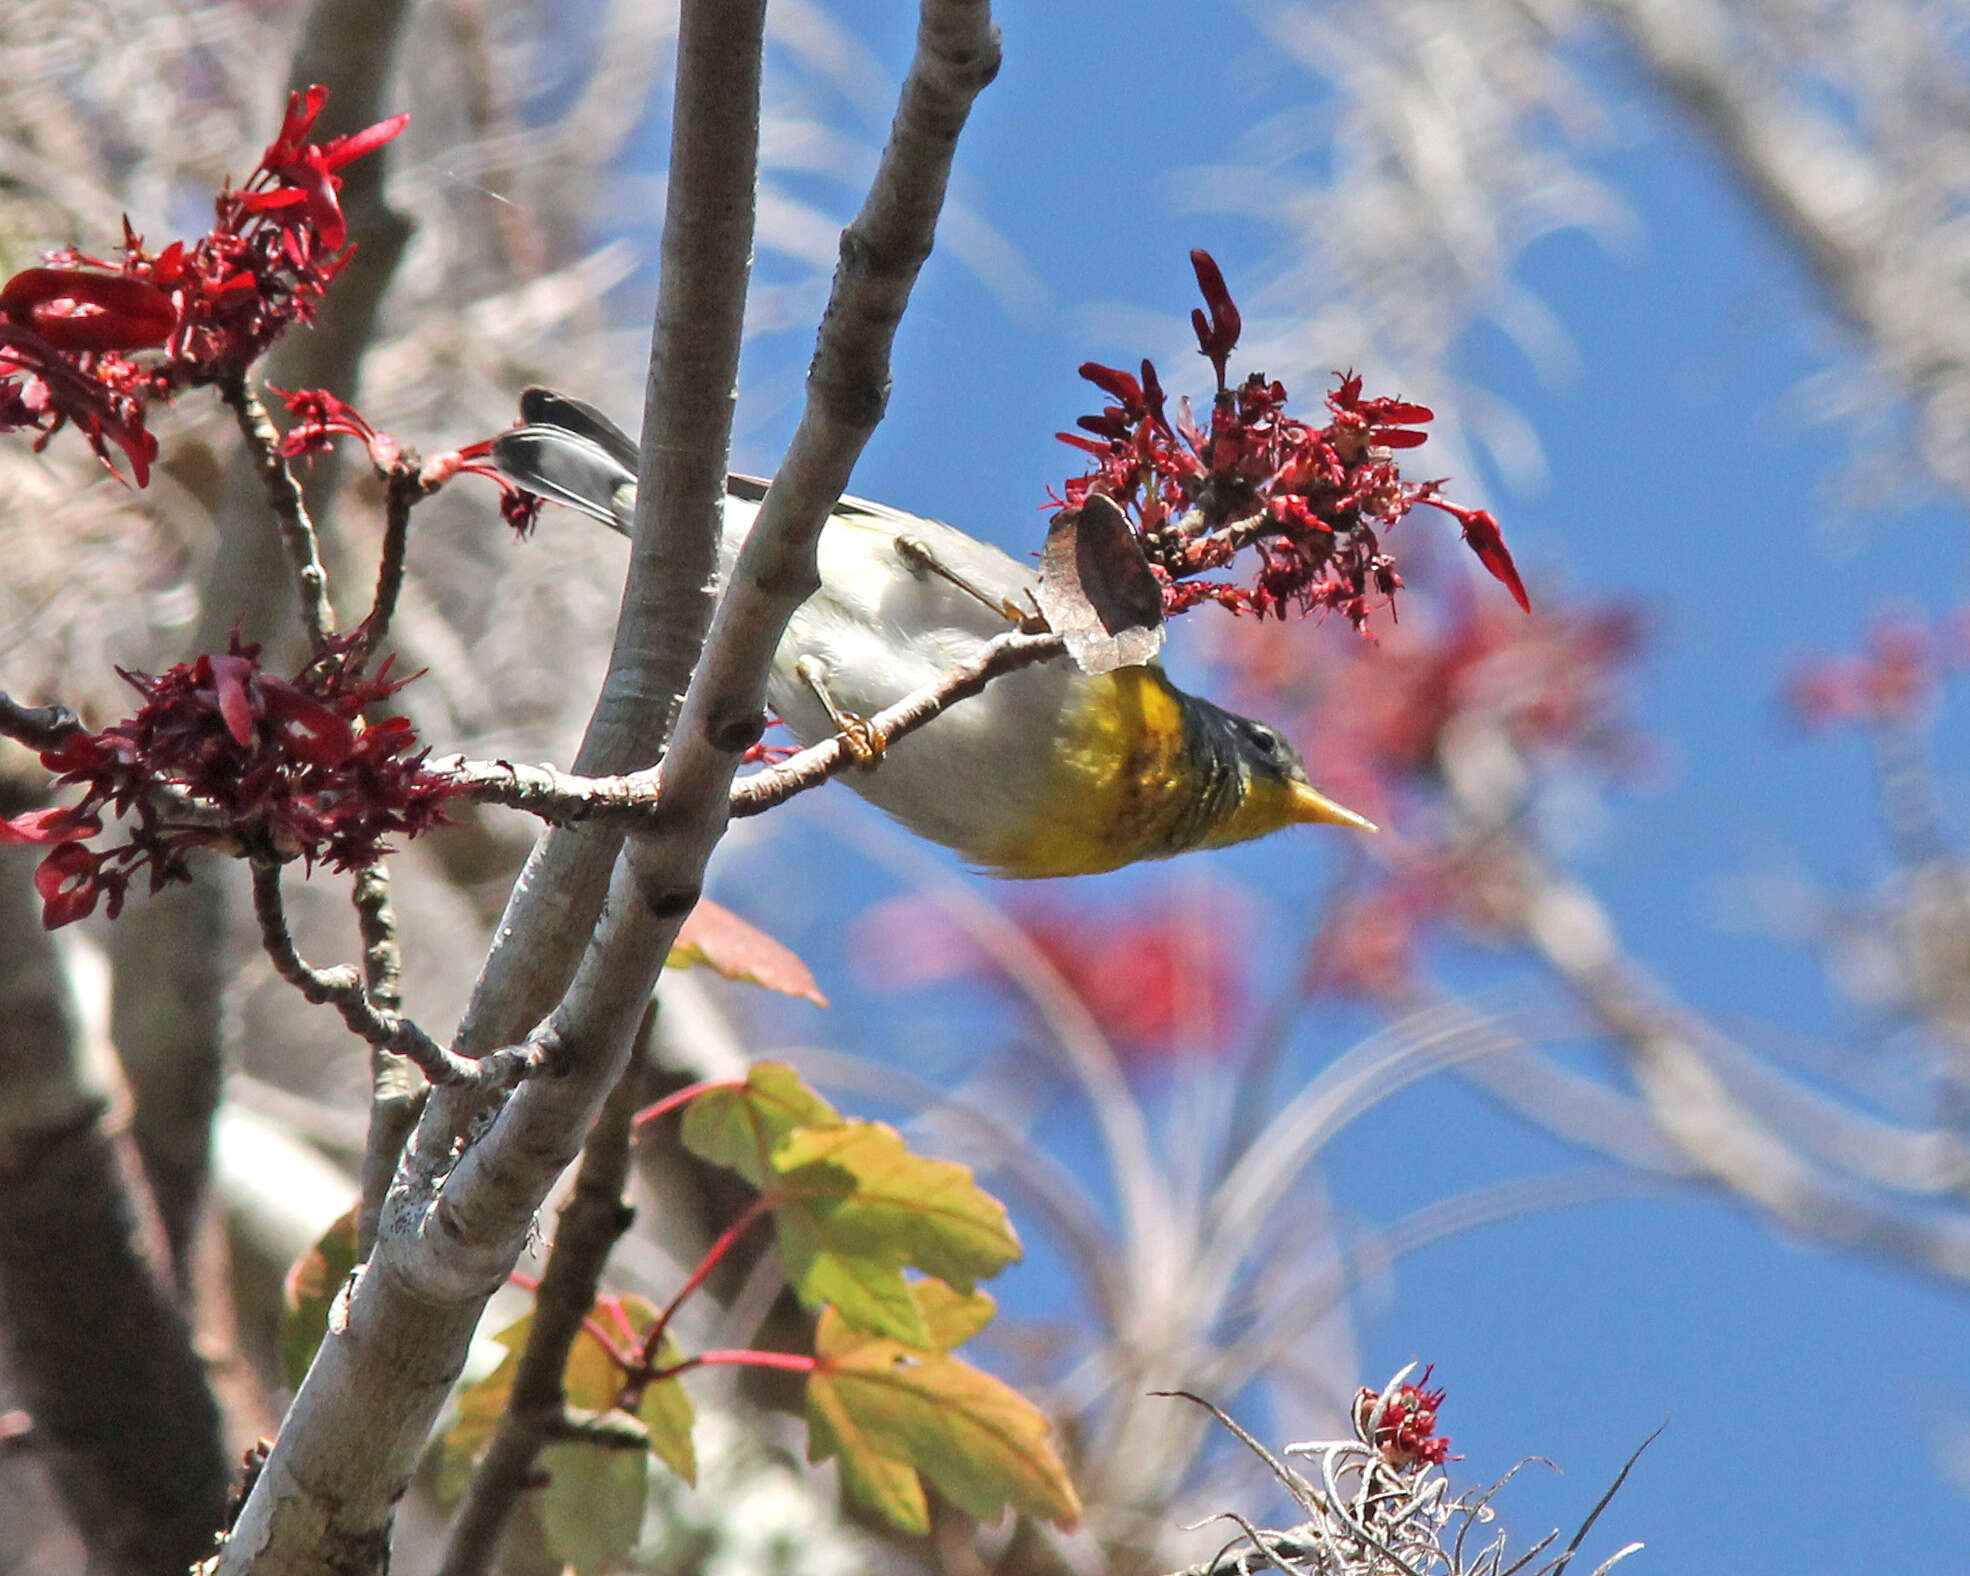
1312 502
224 754
1159 987
1406 1435
94 341
320 418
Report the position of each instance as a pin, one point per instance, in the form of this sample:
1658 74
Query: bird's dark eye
1267 742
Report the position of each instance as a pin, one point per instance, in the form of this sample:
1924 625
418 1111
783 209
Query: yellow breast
1117 790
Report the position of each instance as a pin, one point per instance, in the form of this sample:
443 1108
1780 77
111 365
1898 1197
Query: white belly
884 631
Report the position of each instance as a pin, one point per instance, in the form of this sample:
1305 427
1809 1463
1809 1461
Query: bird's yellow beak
1309 804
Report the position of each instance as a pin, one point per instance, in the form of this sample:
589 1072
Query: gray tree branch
97 1342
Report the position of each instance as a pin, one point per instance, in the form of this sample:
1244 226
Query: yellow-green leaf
853 1206
666 1413
311 1289
891 1489
892 1413
591 1383
739 1127
738 950
591 1511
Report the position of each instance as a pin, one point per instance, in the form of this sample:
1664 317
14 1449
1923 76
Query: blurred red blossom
1159 986
1379 716
1406 1434
225 754
1311 501
1890 682
1386 720
1368 948
95 341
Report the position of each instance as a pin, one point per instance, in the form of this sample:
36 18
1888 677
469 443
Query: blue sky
1813 1399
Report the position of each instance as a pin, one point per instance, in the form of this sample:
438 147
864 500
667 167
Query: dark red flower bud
303 106
1488 542
1115 383
1217 336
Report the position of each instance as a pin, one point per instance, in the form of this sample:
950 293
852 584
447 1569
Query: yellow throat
1143 771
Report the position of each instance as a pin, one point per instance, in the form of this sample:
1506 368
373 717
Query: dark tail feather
572 453
541 407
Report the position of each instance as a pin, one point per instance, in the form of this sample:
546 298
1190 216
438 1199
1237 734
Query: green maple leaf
854 1206
895 1415
740 1127
591 1512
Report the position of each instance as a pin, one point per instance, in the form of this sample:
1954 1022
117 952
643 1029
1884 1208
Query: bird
1051 771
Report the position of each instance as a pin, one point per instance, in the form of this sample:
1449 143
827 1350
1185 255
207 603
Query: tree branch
37 727
591 1223
297 530
455 1223
396 1091
453 1227
686 440
96 1340
343 989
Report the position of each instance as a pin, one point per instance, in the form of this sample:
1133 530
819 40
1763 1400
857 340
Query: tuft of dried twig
1376 1510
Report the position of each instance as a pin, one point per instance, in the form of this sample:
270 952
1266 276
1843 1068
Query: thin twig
376 920
342 989
631 799
396 1092
297 530
403 489
760 1209
813 766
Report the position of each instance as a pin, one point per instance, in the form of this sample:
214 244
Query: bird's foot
864 739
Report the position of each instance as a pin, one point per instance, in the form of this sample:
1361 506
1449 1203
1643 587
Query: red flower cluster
1406 1435
94 342
320 418
1890 682
1312 501
272 767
